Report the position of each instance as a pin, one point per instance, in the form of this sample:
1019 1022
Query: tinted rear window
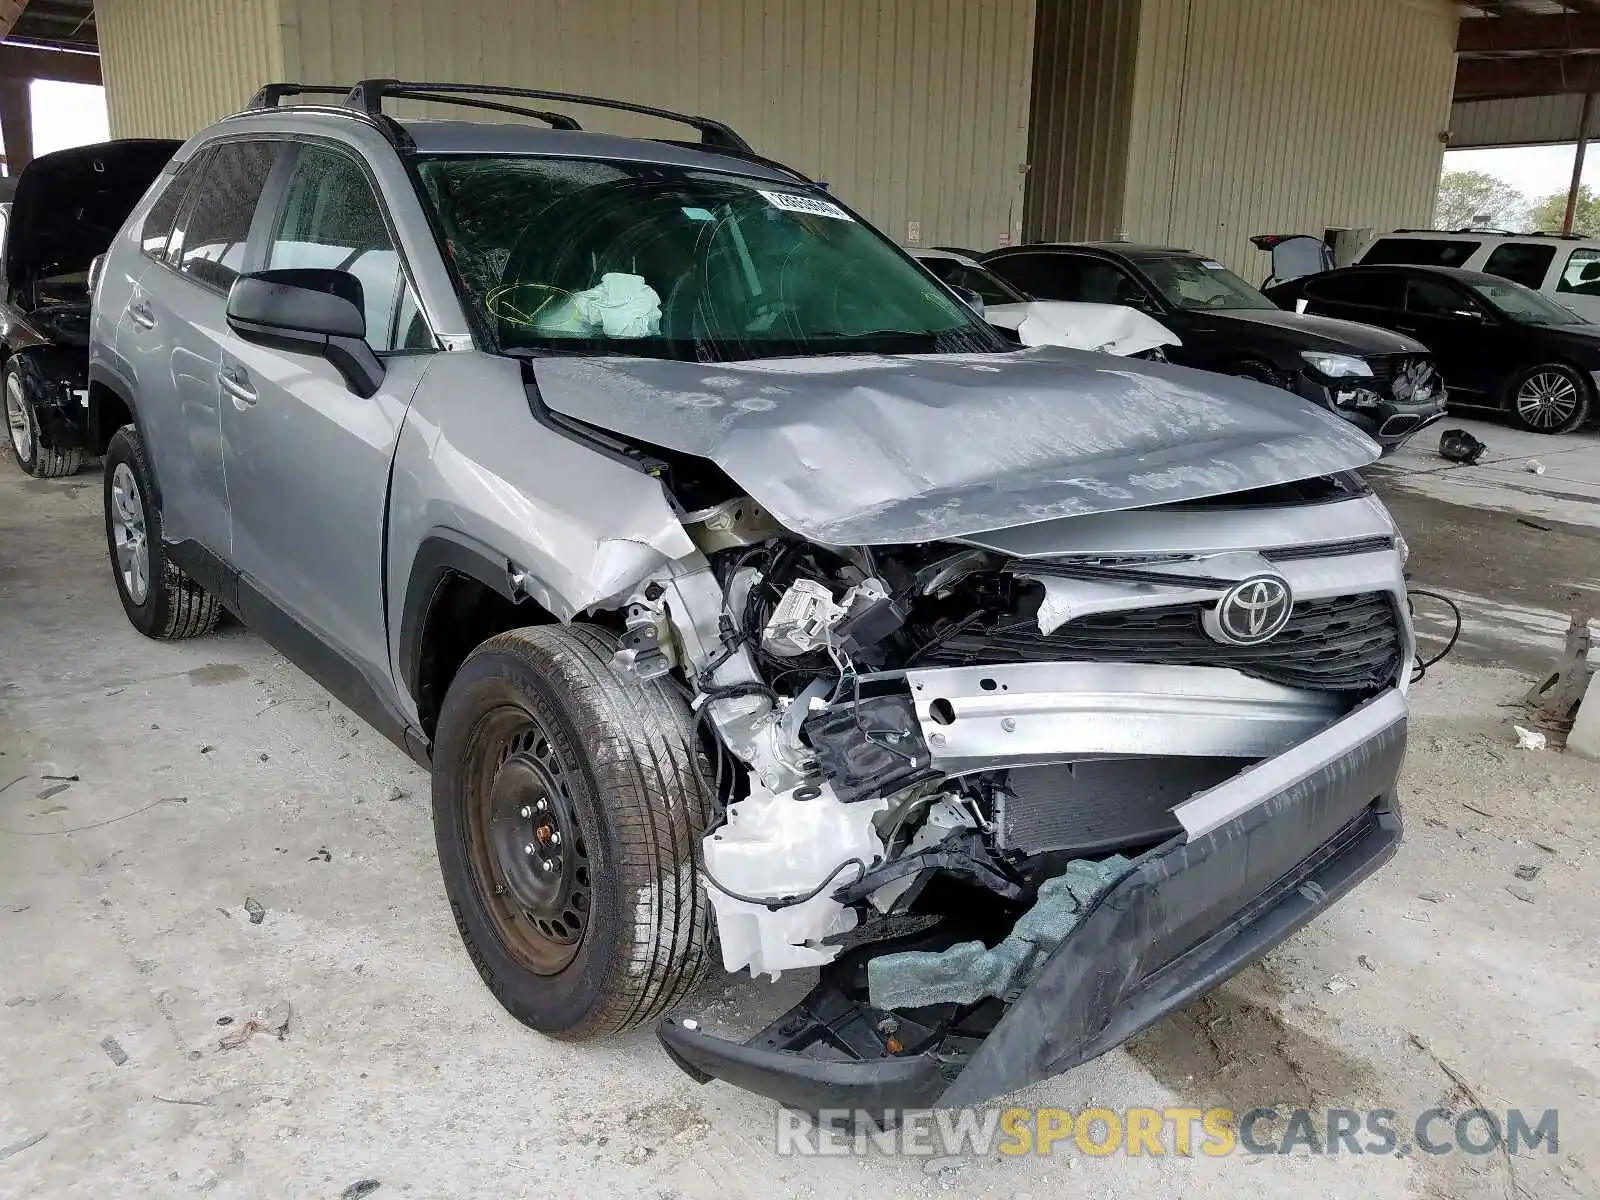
1421 252
1521 262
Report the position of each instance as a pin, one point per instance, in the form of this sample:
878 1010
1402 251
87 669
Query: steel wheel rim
1547 399
17 419
526 847
129 539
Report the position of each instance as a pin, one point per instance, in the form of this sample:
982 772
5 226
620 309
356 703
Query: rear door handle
237 384
141 315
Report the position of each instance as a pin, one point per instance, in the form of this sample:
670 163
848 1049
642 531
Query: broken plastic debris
1458 445
1339 984
1529 739
967 972
272 1019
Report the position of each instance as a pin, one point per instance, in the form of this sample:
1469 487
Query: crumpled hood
890 449
1107 328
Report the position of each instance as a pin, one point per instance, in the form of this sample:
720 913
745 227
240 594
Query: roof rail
269 96
368 96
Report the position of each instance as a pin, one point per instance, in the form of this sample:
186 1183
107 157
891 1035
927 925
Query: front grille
1345 644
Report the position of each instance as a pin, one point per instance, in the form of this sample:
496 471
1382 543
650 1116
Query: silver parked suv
747 595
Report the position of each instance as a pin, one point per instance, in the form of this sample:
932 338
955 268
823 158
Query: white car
1108 328
1567 269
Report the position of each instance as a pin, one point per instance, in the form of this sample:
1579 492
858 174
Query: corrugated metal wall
1269 116
173 66
1084 55
1538 120
912 110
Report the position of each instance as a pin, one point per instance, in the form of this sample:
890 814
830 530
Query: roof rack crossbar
553 119
269 96
369 94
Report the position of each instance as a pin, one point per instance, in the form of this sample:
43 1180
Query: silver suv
747 595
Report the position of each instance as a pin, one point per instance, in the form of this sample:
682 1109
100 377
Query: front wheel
568 806
22 423
160 600
1550 398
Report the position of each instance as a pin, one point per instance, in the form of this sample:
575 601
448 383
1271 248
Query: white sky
67 114
1535 171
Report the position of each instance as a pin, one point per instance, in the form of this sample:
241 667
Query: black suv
1382 382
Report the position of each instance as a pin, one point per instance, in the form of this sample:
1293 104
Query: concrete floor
207 774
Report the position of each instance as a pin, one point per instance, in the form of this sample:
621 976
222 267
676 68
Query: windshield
1525 305
1201 283
584 256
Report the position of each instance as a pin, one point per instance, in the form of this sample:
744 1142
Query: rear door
1577 283
174 328
307 459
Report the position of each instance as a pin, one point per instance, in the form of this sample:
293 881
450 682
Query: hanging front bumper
1262 855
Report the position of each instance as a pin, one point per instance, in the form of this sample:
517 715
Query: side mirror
309 310
974 301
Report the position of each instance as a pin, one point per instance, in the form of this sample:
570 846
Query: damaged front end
1014 791
1016 801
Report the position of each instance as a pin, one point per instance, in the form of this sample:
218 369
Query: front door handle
237 384
139 312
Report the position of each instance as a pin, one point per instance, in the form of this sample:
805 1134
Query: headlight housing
1338 366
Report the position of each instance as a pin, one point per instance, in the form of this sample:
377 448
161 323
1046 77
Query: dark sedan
1498 344
1383 383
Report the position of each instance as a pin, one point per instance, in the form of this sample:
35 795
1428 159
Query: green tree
1475 197
1548 212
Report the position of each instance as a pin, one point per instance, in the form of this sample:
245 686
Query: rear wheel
22 423
568 806
160 600
1550 398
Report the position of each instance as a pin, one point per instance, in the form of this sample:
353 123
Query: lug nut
555 837
547 864
526 812
528 849
540 805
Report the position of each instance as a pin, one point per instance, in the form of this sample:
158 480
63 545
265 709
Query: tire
1550 398
168 605
22 426
536 717
1261 372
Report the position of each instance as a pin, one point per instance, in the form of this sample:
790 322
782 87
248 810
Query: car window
1582 273
1524 305
1421 252
592 256
1431 298
1521 262
211 244
331 218
1191 282
1036 274
156 232
989 286
1378 289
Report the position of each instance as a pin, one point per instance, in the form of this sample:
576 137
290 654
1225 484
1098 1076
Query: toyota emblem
1252 611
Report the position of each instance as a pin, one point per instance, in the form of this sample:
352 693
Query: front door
1466 339
307 459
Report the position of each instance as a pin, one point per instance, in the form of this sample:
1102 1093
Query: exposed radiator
1100 805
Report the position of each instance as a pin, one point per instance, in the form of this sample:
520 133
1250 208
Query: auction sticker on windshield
810 205
1212 266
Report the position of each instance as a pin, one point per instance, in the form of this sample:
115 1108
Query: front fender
56 379
477 476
